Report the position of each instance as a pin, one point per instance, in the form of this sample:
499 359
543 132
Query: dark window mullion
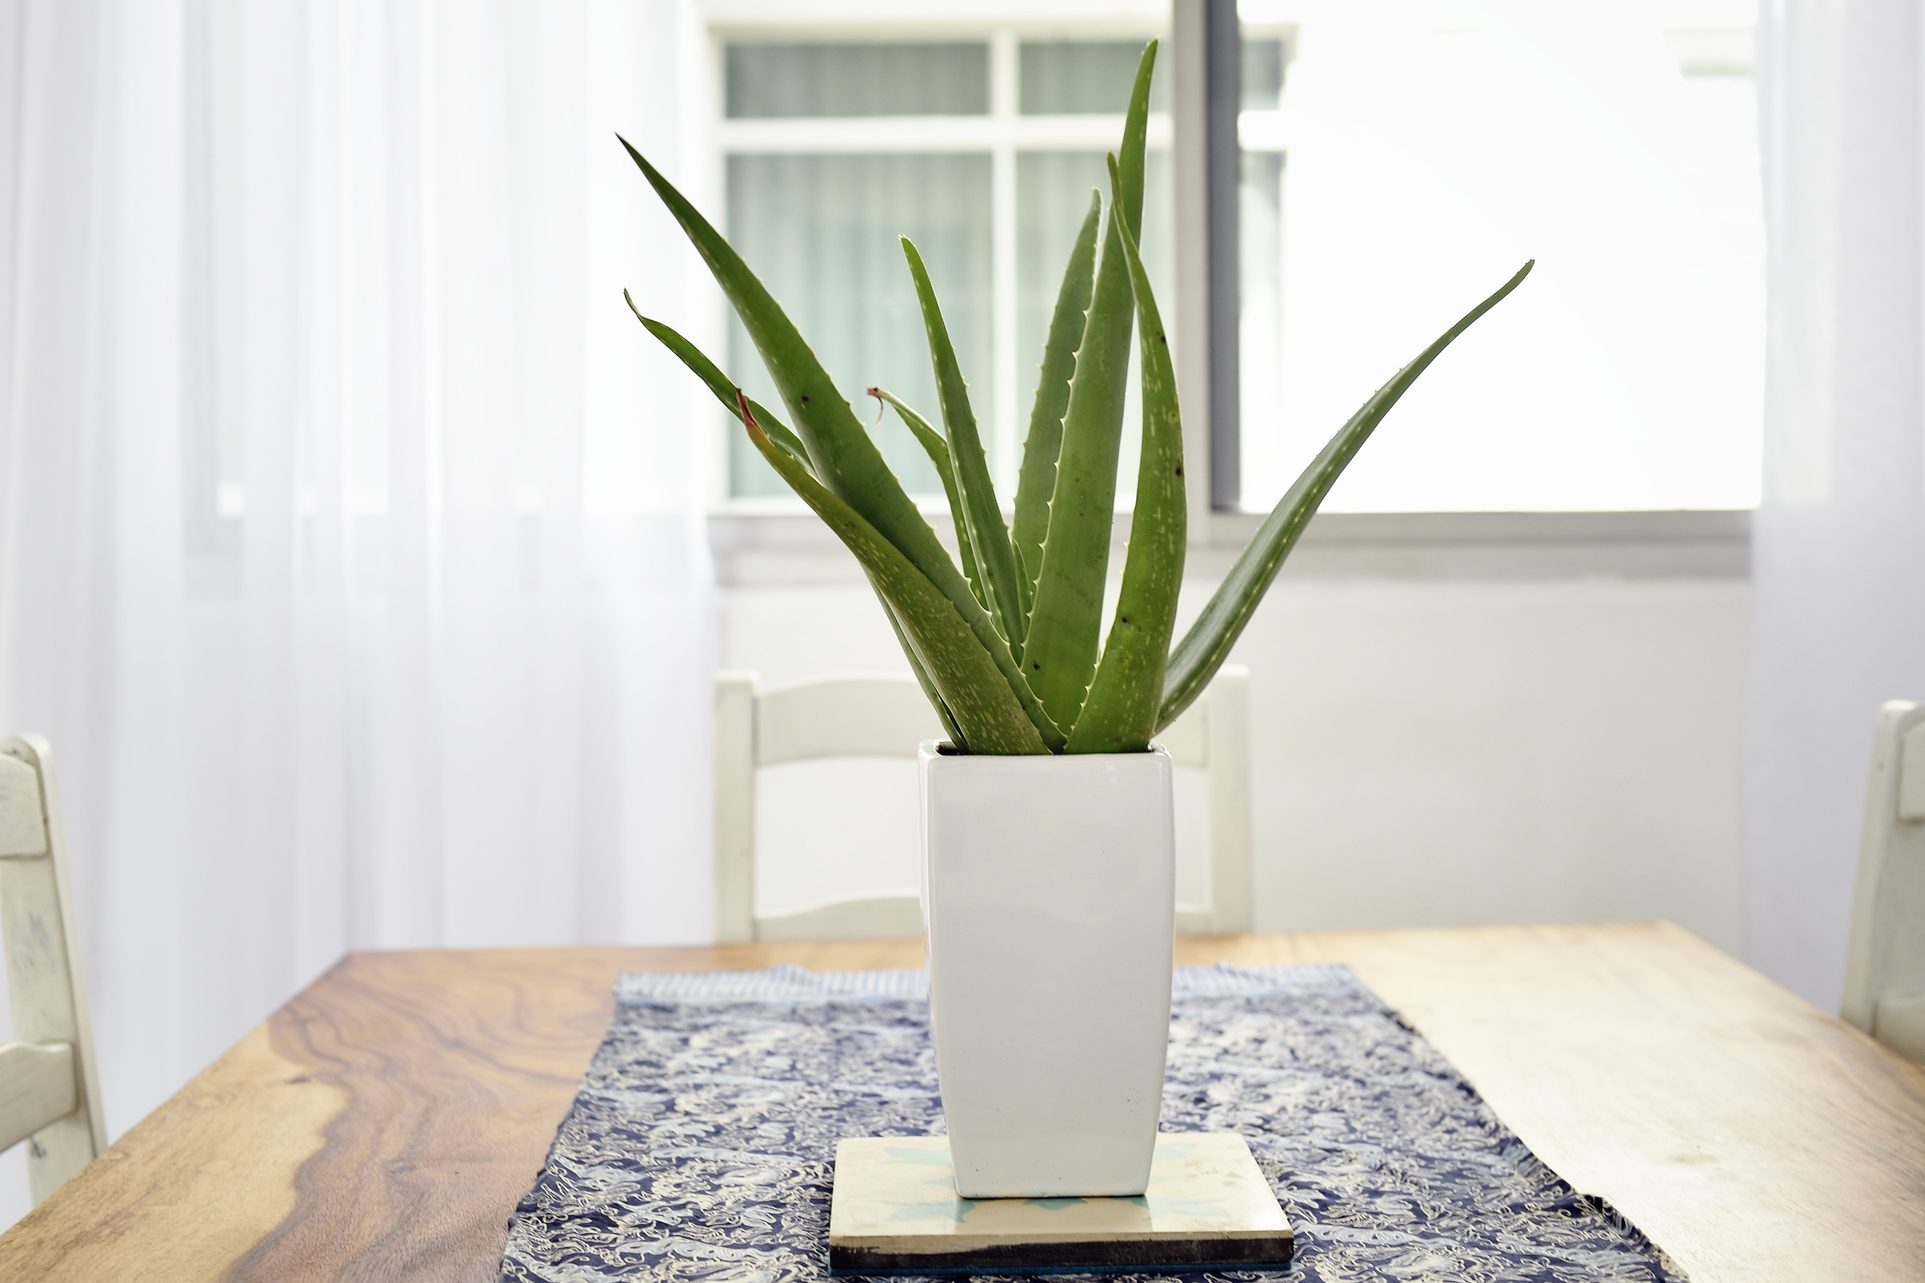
1222 169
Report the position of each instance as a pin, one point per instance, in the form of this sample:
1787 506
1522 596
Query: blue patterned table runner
700 1145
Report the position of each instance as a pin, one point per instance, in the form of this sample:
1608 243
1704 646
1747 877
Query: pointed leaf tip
1196 658
845 477
988 537
1120 711
936 446
719 384
1065 617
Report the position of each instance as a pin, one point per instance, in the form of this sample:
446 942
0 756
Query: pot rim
945 750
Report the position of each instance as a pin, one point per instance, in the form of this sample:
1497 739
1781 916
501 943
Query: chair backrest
49 1094
1885 960
888 717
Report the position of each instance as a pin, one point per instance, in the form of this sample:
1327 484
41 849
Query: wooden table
384 1122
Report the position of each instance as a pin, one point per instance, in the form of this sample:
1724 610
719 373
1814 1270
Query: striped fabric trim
782 983
790 983
1225 980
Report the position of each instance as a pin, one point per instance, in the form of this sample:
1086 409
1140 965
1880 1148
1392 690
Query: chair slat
734 808
887 717
1187 739
1884 992
1900 1025
843 717
48 1000
881 917
23 827
1911 775
37 1087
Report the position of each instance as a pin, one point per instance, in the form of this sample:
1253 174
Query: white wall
1426 752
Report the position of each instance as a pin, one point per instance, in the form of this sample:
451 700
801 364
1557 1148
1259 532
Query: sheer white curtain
349 530
1839 548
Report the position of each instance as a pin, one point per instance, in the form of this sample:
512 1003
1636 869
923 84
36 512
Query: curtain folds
1839 540
350 543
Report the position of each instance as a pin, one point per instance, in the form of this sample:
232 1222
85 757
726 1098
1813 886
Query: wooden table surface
384 1122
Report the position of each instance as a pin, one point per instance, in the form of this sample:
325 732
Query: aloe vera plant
1009 645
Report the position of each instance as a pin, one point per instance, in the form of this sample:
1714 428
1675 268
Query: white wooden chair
887 717
49 1095
1885 961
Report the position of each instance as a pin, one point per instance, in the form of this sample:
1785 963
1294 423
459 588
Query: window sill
761 548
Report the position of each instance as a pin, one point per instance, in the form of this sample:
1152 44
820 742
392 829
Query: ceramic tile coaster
895 1211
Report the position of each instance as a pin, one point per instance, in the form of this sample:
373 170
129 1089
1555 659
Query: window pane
1052 197
819 221
1626 373
1267 453
820 230
1262 73
813 79
1081 77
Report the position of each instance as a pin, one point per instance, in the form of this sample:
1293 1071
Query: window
1430 149
1396 163
984 152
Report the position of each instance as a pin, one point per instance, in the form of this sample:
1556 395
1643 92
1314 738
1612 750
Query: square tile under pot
895 1211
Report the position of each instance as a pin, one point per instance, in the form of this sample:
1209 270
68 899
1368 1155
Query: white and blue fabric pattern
700 1145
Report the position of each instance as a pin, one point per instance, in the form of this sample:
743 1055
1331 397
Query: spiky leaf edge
937 449
843 459
726 392
1119 714
982 514
1065 622
719 383
984 710
1036 481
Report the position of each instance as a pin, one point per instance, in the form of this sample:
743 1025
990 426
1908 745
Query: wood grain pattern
383 1123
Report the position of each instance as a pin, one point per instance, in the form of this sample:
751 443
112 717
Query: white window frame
763 541
1002 134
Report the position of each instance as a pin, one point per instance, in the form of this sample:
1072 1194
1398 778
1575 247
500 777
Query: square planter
1049 896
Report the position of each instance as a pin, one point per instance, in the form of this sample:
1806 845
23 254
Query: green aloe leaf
929 691
719 383
845 461
839 448
982 515
1119 716
726 392
937 449
1204 648
1059 650
983 710
1037 480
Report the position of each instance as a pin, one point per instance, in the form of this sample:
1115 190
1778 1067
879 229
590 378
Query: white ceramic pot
1049 895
